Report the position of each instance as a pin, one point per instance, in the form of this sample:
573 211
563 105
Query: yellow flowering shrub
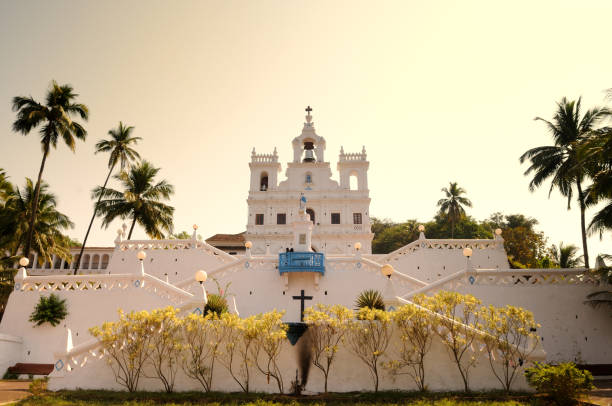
510 339
203 336
271 335
416 328
127 342
166 345
369 337
457 328
236 354
327 326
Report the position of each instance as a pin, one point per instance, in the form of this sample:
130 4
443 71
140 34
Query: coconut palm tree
452 205
596 156
6 187
565 256
121 151
560 161
49 223
140 201
54 120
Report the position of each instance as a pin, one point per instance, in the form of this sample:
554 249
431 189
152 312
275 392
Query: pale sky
437 91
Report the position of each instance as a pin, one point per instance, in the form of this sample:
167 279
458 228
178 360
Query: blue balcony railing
301 262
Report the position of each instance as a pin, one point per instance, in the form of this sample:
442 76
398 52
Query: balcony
301 262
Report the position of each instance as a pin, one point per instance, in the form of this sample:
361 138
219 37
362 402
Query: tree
458 323
596 155
166 344
203 336
560 161
55 121
327 326
565 256
369 338
272 334
47 229
6 188
236 354
127 342
140 201
511 337
416 326
121 151
452 205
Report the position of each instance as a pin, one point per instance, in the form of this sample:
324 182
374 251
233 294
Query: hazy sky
436 91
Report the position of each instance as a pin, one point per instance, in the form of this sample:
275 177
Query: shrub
370 298
216 304
563 382
38 386
50 309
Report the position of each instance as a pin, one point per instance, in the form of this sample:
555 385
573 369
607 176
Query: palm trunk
78 261
582 224
132 227
26 251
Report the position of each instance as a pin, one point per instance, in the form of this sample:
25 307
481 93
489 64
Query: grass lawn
91 398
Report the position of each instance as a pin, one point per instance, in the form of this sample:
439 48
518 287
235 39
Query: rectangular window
335 218
302 239
259 219
281 218
356 218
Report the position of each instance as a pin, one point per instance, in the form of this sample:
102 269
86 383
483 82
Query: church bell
308 152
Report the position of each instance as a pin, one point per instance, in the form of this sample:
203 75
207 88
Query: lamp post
24 262
387 270
201 277
357 249
248 245
141 256
467 252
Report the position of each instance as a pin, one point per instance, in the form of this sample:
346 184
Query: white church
308 240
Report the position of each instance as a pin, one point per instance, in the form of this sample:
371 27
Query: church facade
338 210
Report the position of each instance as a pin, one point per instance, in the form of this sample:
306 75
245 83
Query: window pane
335 218
356 218
281 218
259 219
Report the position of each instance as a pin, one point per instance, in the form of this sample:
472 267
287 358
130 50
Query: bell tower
264 171
353 165
308 147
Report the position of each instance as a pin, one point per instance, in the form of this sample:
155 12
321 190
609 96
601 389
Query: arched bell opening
309 151
263 182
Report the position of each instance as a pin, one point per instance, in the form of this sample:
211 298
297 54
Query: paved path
603 394
12 391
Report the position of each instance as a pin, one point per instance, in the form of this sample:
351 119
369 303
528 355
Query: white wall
10 351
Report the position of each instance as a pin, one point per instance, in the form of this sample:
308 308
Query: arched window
85 263
311 213
308 177
57 264
263 181
95 262
104 261
353 181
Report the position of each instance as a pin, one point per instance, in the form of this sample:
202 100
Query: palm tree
54 120
452 205
560 161
596 155
565 256
140 201
49 224
121 152
6 187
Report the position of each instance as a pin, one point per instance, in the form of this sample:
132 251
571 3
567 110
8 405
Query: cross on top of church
308 110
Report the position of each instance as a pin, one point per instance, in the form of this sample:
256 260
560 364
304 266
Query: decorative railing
301 262
442 244
149 283
353 156
137 245
509 278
